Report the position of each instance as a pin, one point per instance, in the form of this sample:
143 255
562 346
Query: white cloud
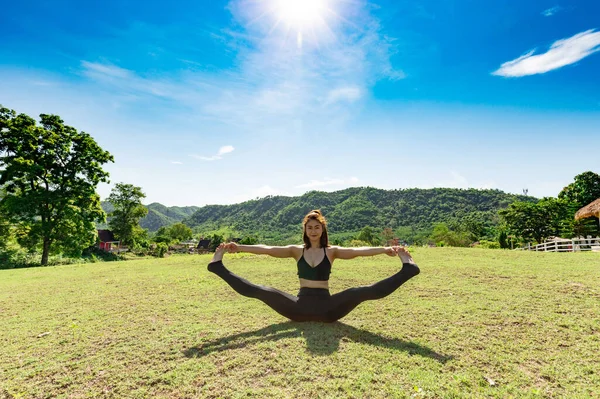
176 163
551 11
313 184
349 94
561 53
222 151
97 70
395 74
225 150
202 158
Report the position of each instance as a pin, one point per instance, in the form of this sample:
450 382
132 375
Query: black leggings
315 304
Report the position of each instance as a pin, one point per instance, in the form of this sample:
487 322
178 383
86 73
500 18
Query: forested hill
352 209
159 215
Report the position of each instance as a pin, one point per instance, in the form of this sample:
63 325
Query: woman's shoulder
296 248
332 249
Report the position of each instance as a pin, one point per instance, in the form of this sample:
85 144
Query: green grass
474 324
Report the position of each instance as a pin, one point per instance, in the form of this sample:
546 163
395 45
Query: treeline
526 222
410 214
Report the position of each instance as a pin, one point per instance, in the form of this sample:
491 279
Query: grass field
474 324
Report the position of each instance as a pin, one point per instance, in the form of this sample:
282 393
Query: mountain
158 215
277 218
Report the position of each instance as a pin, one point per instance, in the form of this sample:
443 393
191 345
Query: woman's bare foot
409 268
215 264
405 256
218 253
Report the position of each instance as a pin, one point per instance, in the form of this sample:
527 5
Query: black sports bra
320 272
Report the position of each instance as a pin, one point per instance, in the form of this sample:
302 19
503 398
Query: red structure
107 241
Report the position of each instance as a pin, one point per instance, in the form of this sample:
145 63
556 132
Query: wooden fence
566 245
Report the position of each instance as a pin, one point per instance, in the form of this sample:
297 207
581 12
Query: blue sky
220 102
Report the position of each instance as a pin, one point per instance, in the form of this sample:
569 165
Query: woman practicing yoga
314 260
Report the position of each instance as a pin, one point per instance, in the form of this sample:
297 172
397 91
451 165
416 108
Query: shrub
488 244
215 241
249 240
161 250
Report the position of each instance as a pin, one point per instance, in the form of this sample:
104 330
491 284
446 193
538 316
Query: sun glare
301 17
301 13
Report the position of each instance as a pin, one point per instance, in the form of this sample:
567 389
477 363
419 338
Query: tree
215 241
585 189
503 239
443 236
473 224
387 234
367 234
250 240
180 232
128 210
536 221
50 173
162 235
4 223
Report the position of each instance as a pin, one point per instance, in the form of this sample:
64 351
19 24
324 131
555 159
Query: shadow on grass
321 339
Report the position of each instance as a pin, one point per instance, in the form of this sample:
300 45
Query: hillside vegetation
407 212
158 216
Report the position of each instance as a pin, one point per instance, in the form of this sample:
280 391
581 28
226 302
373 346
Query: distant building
107 241
203 246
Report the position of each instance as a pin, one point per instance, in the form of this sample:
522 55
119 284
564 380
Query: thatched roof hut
591 209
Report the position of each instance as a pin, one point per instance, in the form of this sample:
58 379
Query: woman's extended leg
283 303
344 302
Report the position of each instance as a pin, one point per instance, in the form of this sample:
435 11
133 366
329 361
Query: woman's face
313 229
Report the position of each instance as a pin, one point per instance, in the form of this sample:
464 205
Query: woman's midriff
313 284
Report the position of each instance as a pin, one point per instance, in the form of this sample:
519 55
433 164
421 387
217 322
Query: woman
314 260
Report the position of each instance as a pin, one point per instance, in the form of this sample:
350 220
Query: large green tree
585 189
126 200
537 221
180 232
50 172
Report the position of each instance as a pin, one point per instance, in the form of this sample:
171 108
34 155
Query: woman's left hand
391 251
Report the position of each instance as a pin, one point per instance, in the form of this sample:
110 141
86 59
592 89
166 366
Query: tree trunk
45 251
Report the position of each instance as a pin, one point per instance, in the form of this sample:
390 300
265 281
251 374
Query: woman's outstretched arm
351 253
288 251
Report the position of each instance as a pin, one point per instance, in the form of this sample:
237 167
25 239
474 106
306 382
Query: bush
161 249
215 241
444 237
488 244
95 254
249 240
367 234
